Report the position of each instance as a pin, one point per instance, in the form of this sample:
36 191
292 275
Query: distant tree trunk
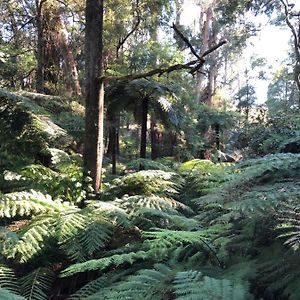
217 133
145 105
206 18
40 47
179 9
211 85
112 143
69 64
93 150
154 140
114 150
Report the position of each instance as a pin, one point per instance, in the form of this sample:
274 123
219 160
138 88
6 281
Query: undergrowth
195 231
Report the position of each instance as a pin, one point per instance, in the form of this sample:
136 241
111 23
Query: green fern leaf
103 263
8 295
35 285
8 279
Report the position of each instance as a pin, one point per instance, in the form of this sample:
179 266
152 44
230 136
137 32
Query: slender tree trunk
93 151
211 85
206 17
40 70
112 144
145 105
154 140
114 151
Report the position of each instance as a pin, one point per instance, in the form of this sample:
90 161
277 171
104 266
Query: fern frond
289 225
31 203
115 214
103 263
31 239
81 234
192 285
149 284
27 204
35 285
147 218
147 164
97 285
132 204
8 295
8 279
151 182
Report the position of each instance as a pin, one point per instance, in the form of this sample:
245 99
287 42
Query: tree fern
150 182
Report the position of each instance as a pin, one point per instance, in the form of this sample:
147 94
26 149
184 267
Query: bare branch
212 49
134 28
288 22
160 71
186 41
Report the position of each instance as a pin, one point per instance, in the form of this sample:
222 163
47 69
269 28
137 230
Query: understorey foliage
144 236
196 230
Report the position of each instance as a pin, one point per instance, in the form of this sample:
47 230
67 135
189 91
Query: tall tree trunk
40 47
69 64
206 17
145 105
93 151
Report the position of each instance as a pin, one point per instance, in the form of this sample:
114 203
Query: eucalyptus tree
216 22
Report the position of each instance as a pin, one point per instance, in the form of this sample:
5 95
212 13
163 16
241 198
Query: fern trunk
145 106
154 141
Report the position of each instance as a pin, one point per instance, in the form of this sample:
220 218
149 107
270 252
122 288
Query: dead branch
185 40
134 28
160 71
290 25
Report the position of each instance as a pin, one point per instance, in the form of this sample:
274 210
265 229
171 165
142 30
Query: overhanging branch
192 66
186 41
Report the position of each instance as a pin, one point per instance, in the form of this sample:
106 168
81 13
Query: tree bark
179 9
69 64
144 128
112 143
211 85
40 57
154 140
93 152
206 17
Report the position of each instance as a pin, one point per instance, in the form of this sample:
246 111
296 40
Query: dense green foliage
193 230
192 222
